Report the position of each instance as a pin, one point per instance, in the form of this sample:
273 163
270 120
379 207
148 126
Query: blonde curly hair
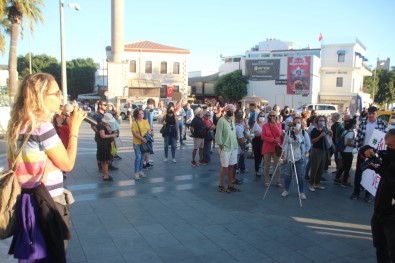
29 108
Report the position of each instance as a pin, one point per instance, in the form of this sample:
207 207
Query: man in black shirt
197 129
383 219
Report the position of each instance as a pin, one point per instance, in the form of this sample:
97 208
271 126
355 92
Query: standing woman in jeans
257 141
140 127
170 135
347 155
318 155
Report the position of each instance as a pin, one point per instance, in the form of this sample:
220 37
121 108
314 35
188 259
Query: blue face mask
321 123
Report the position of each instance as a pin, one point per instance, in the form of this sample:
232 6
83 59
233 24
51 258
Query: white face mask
261 119
298 126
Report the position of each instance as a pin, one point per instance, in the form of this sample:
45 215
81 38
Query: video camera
376 160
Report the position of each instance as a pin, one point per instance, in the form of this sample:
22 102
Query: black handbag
163 129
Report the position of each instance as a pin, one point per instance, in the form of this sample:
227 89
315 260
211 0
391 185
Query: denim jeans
138 162
241 159
172 141
181 129
288 171
206 150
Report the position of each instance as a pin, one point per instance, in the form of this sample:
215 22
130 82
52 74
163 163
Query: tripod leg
296 174
274 172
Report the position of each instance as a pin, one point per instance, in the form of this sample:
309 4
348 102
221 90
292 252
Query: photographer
300 142
383 219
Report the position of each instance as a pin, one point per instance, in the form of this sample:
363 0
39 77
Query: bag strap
18 156
138 126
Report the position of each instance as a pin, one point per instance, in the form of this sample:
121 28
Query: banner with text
298 76
263 69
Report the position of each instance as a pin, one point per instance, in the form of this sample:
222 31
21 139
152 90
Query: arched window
148 67
176 68
163 67
132 66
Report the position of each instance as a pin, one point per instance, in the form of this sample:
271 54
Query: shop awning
144 83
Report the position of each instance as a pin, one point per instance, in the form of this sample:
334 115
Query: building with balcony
149 70
284 75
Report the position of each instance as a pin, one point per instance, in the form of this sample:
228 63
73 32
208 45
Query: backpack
9 192
340 145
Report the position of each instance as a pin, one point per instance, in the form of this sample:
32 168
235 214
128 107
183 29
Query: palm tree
16 11
3 25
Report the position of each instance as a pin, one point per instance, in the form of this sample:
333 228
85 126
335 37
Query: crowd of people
291 144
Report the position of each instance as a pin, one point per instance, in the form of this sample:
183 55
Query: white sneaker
136 176
174 160
165 160
303 196
142 175
312 189
284 193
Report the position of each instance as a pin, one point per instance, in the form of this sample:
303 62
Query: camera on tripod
376 160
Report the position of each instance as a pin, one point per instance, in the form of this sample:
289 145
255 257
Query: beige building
148 70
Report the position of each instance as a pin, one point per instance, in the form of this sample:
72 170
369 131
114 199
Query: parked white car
156 113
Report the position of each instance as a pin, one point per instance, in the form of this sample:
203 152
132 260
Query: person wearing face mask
364 132
295 155
271 136
318 153
170 134
347 155
226 139
257 141
383 222
198 131
240 127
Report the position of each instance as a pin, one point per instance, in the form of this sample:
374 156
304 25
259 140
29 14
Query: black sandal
232 189
221 189
109 178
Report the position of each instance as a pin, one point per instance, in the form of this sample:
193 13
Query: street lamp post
62 46
374 83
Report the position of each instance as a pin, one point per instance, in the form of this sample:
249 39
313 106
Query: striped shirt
34 159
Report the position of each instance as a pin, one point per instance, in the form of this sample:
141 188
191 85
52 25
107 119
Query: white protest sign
370 179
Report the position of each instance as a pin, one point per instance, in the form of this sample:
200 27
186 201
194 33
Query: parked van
321 109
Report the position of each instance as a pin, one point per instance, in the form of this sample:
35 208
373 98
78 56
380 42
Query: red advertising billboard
298 82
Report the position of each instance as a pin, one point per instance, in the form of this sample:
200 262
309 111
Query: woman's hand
144 140
76 118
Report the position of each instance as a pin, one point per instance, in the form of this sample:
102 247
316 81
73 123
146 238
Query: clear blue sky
210 28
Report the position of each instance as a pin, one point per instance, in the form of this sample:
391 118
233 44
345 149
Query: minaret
117 30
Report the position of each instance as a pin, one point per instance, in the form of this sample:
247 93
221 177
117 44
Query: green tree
231 87
385 93
80 72
80 76
16 11
40 63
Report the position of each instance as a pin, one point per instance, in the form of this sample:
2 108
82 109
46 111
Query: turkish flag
169 91
320 37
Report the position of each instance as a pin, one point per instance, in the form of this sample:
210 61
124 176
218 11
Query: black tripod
289 149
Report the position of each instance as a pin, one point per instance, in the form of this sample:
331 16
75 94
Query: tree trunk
12 63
